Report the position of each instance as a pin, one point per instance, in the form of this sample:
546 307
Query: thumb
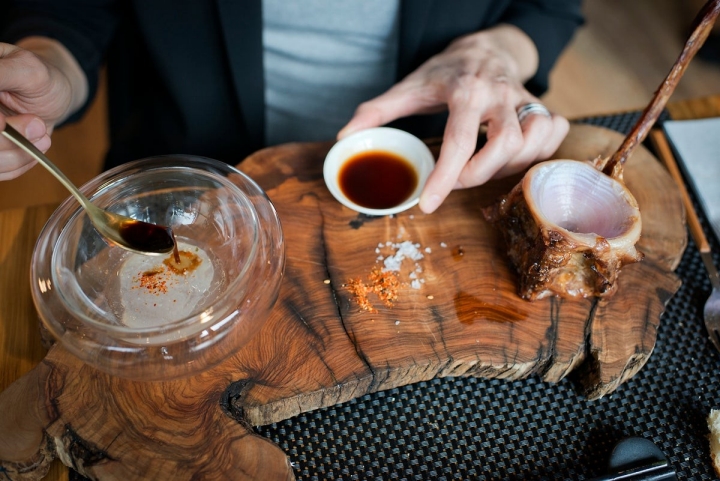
29 125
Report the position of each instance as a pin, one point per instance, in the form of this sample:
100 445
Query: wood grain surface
319 348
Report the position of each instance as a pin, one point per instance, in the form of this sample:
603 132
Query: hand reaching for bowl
479 80
41 84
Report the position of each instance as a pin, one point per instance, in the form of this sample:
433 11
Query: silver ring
531 109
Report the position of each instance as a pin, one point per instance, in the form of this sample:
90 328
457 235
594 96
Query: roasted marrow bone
568 229
571 226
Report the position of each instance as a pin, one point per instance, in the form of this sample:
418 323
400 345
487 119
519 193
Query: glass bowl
143 317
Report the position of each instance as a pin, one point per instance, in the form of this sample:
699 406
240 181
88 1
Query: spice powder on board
384 281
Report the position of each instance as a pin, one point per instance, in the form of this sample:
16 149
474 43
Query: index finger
459 143
505 141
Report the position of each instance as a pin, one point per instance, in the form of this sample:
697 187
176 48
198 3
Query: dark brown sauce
377 179
146 237
182 262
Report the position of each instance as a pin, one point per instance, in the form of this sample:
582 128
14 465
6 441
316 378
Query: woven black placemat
477 429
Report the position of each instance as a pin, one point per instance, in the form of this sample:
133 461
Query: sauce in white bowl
378 171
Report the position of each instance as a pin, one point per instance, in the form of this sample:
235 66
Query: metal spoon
133 235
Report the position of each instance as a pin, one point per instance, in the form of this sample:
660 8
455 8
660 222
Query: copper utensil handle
661 145
659 141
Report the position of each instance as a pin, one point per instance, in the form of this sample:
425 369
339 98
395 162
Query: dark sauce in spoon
146 237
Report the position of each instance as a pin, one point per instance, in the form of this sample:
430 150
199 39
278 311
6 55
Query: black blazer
187 77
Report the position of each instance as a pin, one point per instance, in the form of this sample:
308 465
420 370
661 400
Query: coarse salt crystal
392 264
404 250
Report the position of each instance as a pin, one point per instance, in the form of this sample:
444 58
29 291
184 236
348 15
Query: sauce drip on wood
377 179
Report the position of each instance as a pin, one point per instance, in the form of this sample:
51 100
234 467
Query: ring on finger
532 108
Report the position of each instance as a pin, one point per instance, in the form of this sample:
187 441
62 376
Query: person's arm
480 79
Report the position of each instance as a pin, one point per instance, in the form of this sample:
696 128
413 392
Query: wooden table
20 345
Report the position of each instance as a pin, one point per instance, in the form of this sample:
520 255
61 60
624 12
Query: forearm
55 54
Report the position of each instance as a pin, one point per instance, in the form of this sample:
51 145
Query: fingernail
35 130
429 205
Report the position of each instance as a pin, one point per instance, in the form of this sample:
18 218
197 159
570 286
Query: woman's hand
41 84
479 80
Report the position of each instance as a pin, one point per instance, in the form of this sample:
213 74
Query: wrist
511 43
58 57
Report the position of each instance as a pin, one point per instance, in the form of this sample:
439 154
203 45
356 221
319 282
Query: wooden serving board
461 318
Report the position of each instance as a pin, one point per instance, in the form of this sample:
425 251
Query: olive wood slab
318 348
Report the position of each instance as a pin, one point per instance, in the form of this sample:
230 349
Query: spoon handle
119 229
18 139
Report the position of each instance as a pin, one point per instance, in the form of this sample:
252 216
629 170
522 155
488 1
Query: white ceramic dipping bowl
383 139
